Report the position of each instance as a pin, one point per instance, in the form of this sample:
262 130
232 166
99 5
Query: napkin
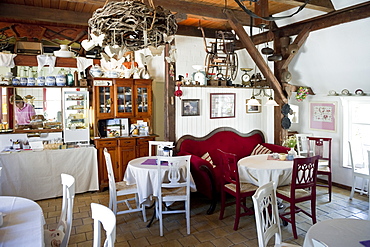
43 60
365 243
7 60
83 63
153 162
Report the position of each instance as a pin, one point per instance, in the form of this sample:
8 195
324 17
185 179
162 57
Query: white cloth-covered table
146 178
339 233
258 170
23 223
36 174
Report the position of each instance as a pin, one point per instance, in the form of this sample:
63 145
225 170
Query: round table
23 222
260 169
143 172
339 232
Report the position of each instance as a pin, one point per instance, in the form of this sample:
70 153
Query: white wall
335 58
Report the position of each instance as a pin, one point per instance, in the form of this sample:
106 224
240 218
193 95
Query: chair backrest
318 243
230 169
304 174
0 179
103 216
175 176
65 221
302 145
320 146
267 214
159 147
112 181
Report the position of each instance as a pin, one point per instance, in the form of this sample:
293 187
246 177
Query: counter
36 174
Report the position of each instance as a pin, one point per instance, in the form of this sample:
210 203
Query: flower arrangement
290 142
301 93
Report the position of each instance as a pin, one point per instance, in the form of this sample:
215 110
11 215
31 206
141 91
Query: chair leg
187 208
313 211
222 210
353 188
237 213
292 219
159 215
330 186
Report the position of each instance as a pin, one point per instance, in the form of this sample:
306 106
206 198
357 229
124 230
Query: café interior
261 106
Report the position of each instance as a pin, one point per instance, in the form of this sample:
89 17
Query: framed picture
254 108
323 116
222 105
190 107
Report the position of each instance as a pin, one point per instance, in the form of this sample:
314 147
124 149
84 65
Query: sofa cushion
208 158
260 149
276 148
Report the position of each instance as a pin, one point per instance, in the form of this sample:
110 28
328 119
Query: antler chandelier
131 25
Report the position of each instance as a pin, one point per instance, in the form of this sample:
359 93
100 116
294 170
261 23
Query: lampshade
271 102
253 101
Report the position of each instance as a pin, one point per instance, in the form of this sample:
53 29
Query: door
143 91
124 98
103 101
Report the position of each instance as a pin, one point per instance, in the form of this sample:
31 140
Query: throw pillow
208 158
259 149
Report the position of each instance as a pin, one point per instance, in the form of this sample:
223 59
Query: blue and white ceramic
40 81
50 80
31 81
16 81
23 81
61 80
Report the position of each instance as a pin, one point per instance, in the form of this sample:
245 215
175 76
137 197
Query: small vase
292 153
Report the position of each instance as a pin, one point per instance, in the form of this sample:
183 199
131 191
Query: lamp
254 102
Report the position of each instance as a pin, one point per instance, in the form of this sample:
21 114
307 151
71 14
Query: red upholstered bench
207 175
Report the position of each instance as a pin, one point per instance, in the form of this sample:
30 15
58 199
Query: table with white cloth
259 170
36 174
339 233
23 223
146 177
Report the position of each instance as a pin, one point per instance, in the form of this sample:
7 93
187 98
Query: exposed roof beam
321 5
345 15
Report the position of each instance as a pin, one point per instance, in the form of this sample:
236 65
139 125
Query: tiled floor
206 230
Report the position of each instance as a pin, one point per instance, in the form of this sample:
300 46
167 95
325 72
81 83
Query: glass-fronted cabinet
124 98
76 116
143 98
104 96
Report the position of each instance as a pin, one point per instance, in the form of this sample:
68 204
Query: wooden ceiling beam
256 55
321 5
354 13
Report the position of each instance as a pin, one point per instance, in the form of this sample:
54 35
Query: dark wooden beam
321 5
261 9
24 12
353 13
255 55
195 31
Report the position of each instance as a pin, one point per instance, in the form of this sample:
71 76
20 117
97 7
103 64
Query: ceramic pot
96 71
50 81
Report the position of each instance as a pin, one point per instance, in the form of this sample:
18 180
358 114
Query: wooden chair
232 186
0 179
159 148
106 217
267 216
174 186
302 188
117 189
361 172
61 234
322 147
302 144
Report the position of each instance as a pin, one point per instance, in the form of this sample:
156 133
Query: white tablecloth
23 223
36 174
257 169
339 232
145 177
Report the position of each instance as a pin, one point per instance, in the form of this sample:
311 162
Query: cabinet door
143 92
126 153
111 146
103 101
124 98
143 146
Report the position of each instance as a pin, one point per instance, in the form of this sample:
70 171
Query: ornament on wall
178 92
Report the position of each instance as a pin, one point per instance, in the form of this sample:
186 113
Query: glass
104 99
142 99
124 99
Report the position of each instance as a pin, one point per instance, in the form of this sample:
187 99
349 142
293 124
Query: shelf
31 60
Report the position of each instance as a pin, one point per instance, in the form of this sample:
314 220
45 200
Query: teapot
96 71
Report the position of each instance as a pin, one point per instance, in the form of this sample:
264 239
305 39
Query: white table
23 223
258 170
339 232
36 174
146 178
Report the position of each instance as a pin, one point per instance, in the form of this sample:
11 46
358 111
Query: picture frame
254 108
190 107
323 116
222 105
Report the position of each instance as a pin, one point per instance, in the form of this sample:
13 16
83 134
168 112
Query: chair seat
363 171
323 169
244 187
286 245
124 186
180 191
299 193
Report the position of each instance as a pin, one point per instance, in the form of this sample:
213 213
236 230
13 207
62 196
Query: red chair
232 186
302 188
322 147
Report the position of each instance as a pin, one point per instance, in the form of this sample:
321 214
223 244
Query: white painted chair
103 216
0 179
318 243
173 187
117 189
159 147
267 216
61 234
358 172
302 144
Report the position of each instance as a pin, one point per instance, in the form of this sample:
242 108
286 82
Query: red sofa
207 176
